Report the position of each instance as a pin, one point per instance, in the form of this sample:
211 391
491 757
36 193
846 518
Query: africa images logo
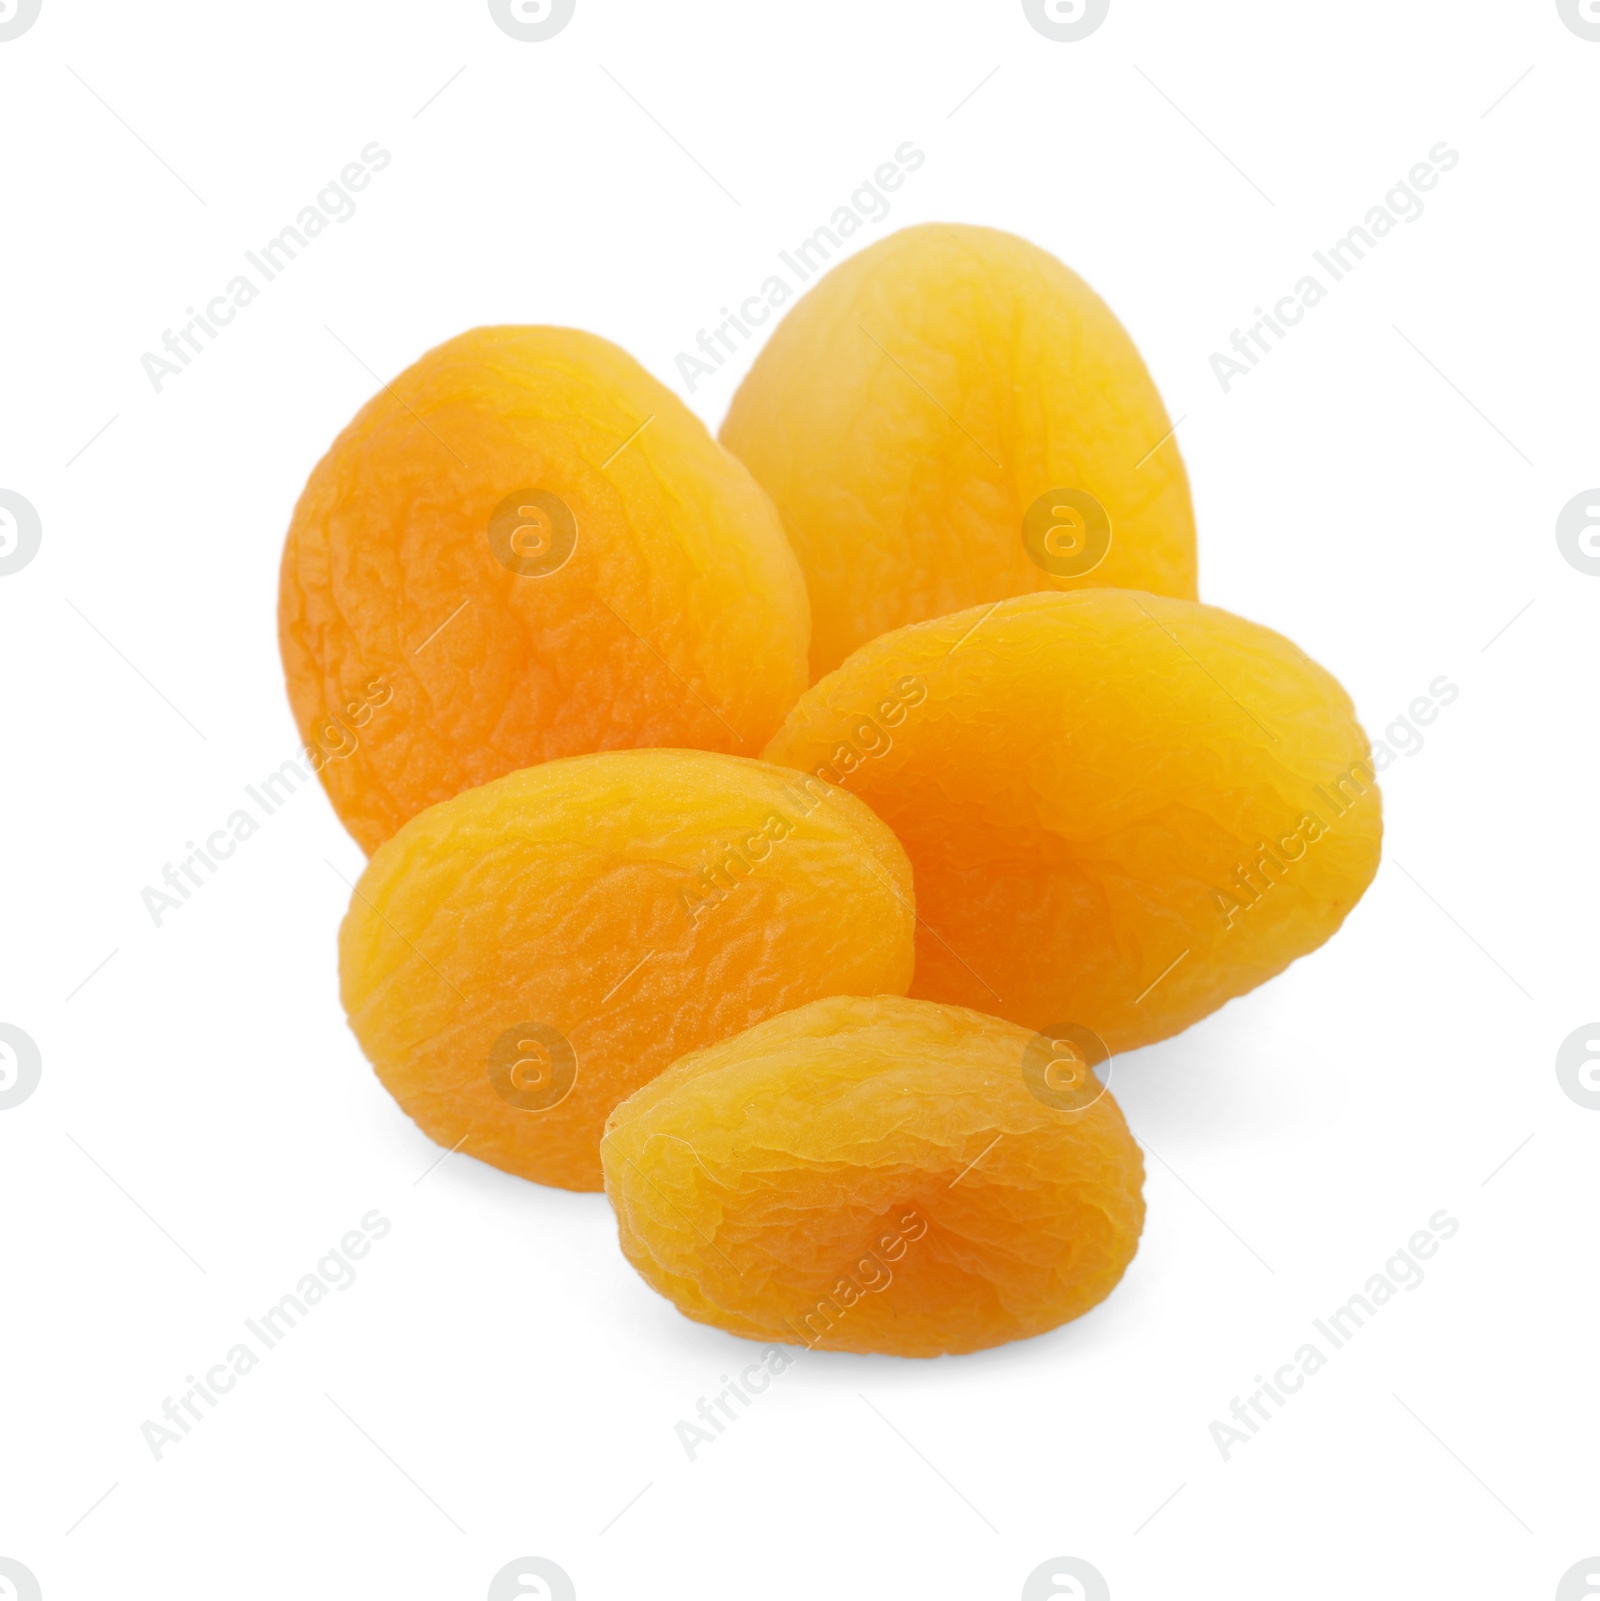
1066 21
532 21
20 532
16 17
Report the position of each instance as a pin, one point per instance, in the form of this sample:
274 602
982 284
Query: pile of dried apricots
782 833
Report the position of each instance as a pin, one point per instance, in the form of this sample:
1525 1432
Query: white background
497 1383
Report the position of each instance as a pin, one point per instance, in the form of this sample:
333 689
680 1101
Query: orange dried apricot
950 417
543 553
1121 809
518 959
876 1175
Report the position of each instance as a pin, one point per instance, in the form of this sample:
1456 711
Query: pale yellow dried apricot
877 1175
539 551
518 959
952 416
1121 809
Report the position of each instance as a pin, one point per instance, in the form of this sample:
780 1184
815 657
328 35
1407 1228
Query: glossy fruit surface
952 416
876 1175
1121 810
518 959
539 552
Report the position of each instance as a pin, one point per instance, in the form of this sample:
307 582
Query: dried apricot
543 553
874 1175
953 416
1121 809
518 959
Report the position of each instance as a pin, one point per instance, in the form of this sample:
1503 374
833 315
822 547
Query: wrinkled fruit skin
679 618
914 405
873 1175
1121 810
600 916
